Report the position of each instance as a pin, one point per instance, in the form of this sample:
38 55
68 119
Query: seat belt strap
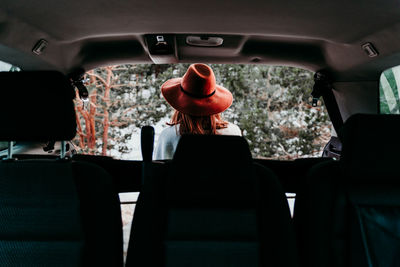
323 87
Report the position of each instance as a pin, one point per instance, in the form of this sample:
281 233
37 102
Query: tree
121 98
272 108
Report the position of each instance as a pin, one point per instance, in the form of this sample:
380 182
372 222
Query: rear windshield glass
271 106
389 91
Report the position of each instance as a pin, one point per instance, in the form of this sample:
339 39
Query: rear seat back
126 174
53 212
291 173
350 212
212 207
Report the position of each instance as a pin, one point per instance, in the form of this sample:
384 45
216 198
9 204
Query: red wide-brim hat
197 93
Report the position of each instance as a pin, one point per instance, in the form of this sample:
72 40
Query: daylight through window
271 106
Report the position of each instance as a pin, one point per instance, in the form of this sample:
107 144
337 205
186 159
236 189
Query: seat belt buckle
315 101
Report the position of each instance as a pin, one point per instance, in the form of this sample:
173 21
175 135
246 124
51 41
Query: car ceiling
313 34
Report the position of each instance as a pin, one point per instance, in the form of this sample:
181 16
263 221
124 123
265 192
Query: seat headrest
371 144
36 106
210 149
211 169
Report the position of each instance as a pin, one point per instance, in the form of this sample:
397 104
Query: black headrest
371 144
211 169
36 106
210 149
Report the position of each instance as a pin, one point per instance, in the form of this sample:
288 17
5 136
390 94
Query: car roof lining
313 35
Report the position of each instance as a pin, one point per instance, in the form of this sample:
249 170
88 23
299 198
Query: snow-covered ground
134 142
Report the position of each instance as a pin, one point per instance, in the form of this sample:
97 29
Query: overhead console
162 48
230 48
173 48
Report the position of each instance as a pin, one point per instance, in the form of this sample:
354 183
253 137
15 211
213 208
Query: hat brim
217 103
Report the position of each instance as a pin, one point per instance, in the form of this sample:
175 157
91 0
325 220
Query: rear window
271 106
389 86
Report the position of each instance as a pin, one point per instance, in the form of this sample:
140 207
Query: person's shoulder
166 143
170 130
231 129
235 129
169 134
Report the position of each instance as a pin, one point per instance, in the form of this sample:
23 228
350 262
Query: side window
3 145
4 66
389 86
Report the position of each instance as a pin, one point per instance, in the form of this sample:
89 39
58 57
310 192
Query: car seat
212 206
349 212
54 212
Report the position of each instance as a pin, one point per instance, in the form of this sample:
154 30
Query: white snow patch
134 142
146 93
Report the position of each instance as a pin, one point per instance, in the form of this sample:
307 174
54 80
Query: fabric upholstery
40 217
58 213
126 174
370 144
380 225
291 173
348 212
100 212
212 206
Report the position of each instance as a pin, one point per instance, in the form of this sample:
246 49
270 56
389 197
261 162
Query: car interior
64 210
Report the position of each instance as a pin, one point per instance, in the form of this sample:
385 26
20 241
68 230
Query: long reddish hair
197 125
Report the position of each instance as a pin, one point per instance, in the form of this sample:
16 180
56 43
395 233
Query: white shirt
169 138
